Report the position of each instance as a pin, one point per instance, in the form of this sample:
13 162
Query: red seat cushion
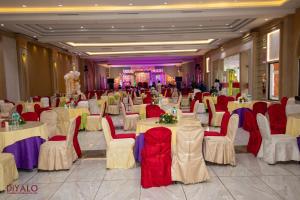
132 113
125 135
58 138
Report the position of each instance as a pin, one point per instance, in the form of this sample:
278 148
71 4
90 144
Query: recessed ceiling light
50 28
60 5
95 4
173 26
112 27
266 19
81 27
200 25
165 3
24 6
2 25
142 52
130 4
241 31
34 36
226 24
142 26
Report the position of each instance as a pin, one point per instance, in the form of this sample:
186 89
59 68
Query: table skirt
26 152
139 145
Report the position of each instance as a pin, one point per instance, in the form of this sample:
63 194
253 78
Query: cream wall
9 69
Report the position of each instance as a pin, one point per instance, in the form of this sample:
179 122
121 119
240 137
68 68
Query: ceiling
121 32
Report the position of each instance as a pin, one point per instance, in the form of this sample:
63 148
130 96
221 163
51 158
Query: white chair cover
130 121
220 149
93 106
49 117
292 107
192 114
279 147
8 170
58 155
45 102
93 122
216 116
85 104
119 152
188 164
6 109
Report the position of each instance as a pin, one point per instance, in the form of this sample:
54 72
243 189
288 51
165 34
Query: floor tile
248 188
123 174
228 170
171 192
292 167
288 187
77 191
120 189
209 190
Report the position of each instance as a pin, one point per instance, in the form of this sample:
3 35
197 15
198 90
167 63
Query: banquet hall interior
142 100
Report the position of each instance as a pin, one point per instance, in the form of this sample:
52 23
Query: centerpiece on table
243 99
167 119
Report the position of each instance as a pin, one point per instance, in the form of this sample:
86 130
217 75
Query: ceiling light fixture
165 3
81 27
2 25
191 42
95 4
112 27
142 52
24 6
60 5
130 4
266 19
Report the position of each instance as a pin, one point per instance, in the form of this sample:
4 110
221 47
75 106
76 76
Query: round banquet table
146 124
293 125
233 105
24 143
29 106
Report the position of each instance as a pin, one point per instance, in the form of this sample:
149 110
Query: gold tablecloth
29 107
212 98
28 130
293 125
146 124
75 112
233 105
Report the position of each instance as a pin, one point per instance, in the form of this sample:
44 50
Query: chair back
277 118
198 96
230 98
212 107
77 126
85 104
192 105
263 126
158 135
222 102
103 109
237 96
111 125
106 131
123 109
57 102
93 107
71 132
30 116
205 94
232 127
284 101
153 111
6 107
50 118
224 124
19 108
130 101
260 107
210 114
45 102
189 142
250 123
196 107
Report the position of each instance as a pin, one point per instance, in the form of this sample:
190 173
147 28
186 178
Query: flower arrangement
242 99
167 119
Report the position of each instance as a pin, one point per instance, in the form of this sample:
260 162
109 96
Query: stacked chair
156 162
188 164
278 147
220 149
119 152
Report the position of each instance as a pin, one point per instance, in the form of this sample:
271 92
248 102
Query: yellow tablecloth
293 125
214 99
146 124
29 107
233 105
30 129
75 112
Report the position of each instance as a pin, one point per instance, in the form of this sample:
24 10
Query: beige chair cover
93 122
57 155
134 108
216 116
8 170
279 147
119 152
188 164
85 104
93 106
45 102
192 114
130 121
137 100
63 120
219 149
49 117
6 109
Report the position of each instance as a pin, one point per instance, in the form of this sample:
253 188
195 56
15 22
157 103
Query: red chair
260 107
222 102
57 102
113 130
205 94
75 138
38 109
36 99
255 139
147 100
19 108
198 96
30 116
168 93
230 98
156 154
153 111
192 105
237 96
224 125
284 101
277 119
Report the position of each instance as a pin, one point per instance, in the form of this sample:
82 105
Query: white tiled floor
88 179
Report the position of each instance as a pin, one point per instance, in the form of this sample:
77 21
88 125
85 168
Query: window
273 49
274 81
